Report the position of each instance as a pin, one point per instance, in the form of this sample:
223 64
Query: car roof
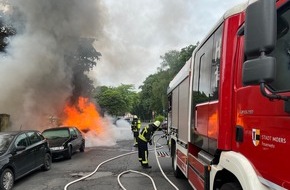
16 132
59 128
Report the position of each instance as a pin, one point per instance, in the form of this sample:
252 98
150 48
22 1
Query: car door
79 136
23 160
38 147
75 140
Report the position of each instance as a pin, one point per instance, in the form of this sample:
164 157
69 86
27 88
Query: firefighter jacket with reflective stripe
136 125
147 133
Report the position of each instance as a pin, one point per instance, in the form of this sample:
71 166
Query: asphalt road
82 164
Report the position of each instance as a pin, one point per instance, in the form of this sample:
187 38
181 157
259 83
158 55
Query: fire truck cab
229 107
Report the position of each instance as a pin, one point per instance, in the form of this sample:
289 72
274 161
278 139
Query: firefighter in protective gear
144 138
135 126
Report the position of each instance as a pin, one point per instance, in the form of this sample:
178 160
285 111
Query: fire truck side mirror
259 70
260 27
260 39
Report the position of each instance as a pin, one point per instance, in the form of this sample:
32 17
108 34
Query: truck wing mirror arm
241 30
272 96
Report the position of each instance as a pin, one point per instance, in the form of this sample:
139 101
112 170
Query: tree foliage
117 101
6 31
151 101
82 60
153 95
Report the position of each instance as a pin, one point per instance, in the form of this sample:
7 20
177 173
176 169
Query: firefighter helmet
157 123
135 117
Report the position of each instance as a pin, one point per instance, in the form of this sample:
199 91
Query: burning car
22 152
64 141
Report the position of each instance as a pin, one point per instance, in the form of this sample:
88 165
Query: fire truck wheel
231 186
177 172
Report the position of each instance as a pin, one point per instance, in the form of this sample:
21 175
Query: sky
137 33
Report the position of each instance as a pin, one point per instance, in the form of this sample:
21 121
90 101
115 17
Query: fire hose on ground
128 171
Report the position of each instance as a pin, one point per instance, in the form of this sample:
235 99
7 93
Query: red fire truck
229 106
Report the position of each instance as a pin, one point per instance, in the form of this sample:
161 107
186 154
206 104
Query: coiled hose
128 171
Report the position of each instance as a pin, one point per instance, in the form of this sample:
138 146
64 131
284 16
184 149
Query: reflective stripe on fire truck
240 167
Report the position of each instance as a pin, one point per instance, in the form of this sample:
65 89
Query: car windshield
58 133
5 141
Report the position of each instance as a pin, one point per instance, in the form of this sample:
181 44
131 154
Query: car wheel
7 179
82 148
69 152
47 162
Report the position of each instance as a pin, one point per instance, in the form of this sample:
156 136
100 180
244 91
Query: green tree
128 95
117 100
6 31
153 95
111 101
82 60
174 60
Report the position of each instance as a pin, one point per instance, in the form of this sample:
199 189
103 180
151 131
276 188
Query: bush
159 118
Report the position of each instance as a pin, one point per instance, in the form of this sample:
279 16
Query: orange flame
84 116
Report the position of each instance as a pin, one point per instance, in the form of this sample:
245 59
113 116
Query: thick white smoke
35 78
116 130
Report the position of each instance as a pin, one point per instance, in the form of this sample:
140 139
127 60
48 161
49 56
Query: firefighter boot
146 166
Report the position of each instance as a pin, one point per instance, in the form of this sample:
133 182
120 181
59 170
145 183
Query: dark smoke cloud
35 77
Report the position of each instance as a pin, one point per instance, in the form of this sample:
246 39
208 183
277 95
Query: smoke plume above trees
46 62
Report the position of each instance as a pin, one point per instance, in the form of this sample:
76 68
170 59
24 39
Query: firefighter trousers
135 134
142 152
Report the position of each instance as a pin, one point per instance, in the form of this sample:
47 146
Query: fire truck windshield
282 51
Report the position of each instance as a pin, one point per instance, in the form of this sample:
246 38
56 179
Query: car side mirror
20 148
